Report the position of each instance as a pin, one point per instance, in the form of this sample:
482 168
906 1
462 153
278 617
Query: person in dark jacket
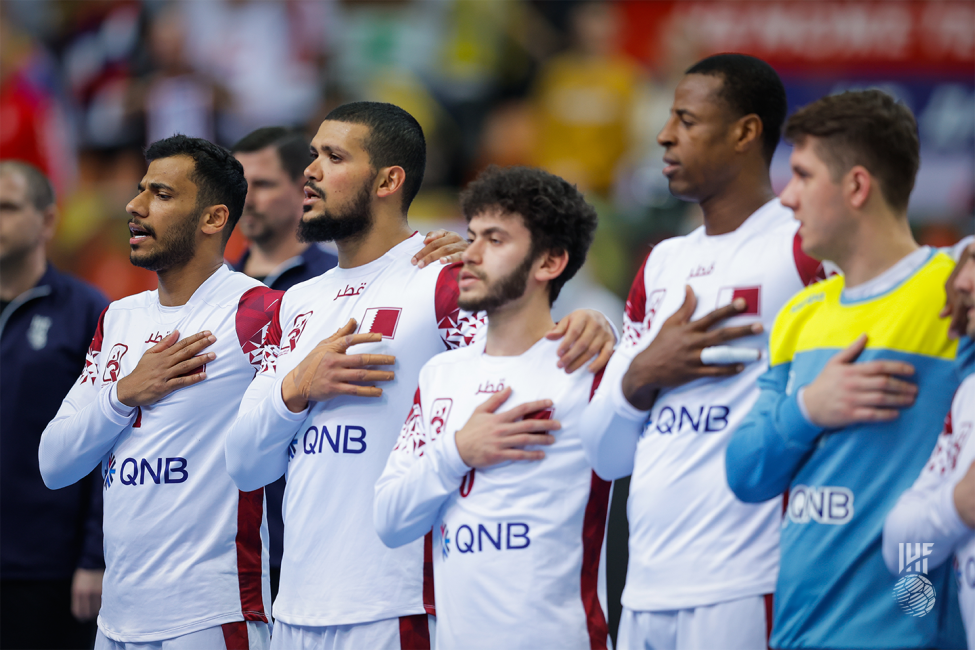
51 562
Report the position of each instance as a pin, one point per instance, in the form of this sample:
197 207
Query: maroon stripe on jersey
414 632
769 612
250 514
593 529
235 635
810 270
636 301
429 601
596 380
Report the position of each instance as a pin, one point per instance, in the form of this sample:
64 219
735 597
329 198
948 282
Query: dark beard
179 247
353 221
510 287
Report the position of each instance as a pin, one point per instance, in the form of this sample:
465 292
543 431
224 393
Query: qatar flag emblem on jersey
751 295
382 320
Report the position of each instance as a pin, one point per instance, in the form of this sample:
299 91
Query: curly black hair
554 211
218 176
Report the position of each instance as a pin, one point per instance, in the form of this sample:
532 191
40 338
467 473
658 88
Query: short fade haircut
291 145
868 128
395 138
40 192
749 86
219 177
554 211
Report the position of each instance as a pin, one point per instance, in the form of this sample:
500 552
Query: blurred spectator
99 49
254 49
585 100
176 98
33 124
50 541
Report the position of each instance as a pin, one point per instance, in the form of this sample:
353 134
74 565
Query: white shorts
249 635
742 624
403 633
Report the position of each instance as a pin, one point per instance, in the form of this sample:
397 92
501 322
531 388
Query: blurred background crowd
578 88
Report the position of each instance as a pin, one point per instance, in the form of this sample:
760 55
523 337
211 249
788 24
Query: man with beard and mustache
315 412
518 544
274 159
185 556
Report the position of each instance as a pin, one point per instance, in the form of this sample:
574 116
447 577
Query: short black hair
395 138
219 177
749 85
291 145
40 192
864 127
553 210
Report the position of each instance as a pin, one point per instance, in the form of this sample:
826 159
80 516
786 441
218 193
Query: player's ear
552 265
748 132
858 185
390 180
214 219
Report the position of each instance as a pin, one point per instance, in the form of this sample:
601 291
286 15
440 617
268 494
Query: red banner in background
808 37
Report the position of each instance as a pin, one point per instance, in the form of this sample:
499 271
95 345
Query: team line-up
795 483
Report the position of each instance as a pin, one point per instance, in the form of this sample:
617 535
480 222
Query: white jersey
517 546
185 550
924 529
335 569
692 542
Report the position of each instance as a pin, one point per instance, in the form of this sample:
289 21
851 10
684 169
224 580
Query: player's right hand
674 356
954 303
490 438
328 371
846 392
165 367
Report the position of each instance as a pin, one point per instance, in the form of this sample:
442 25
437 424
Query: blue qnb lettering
128 478
361 440
354 442
481 531
147 467
717 415
468 546
172 470
134 471
510 536
711 420
521 534
666 420
690 418
334 444
310 448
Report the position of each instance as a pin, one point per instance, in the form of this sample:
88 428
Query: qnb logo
913 591
444 540
348 439
510 536
108 470
139 471
822 505
705 419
